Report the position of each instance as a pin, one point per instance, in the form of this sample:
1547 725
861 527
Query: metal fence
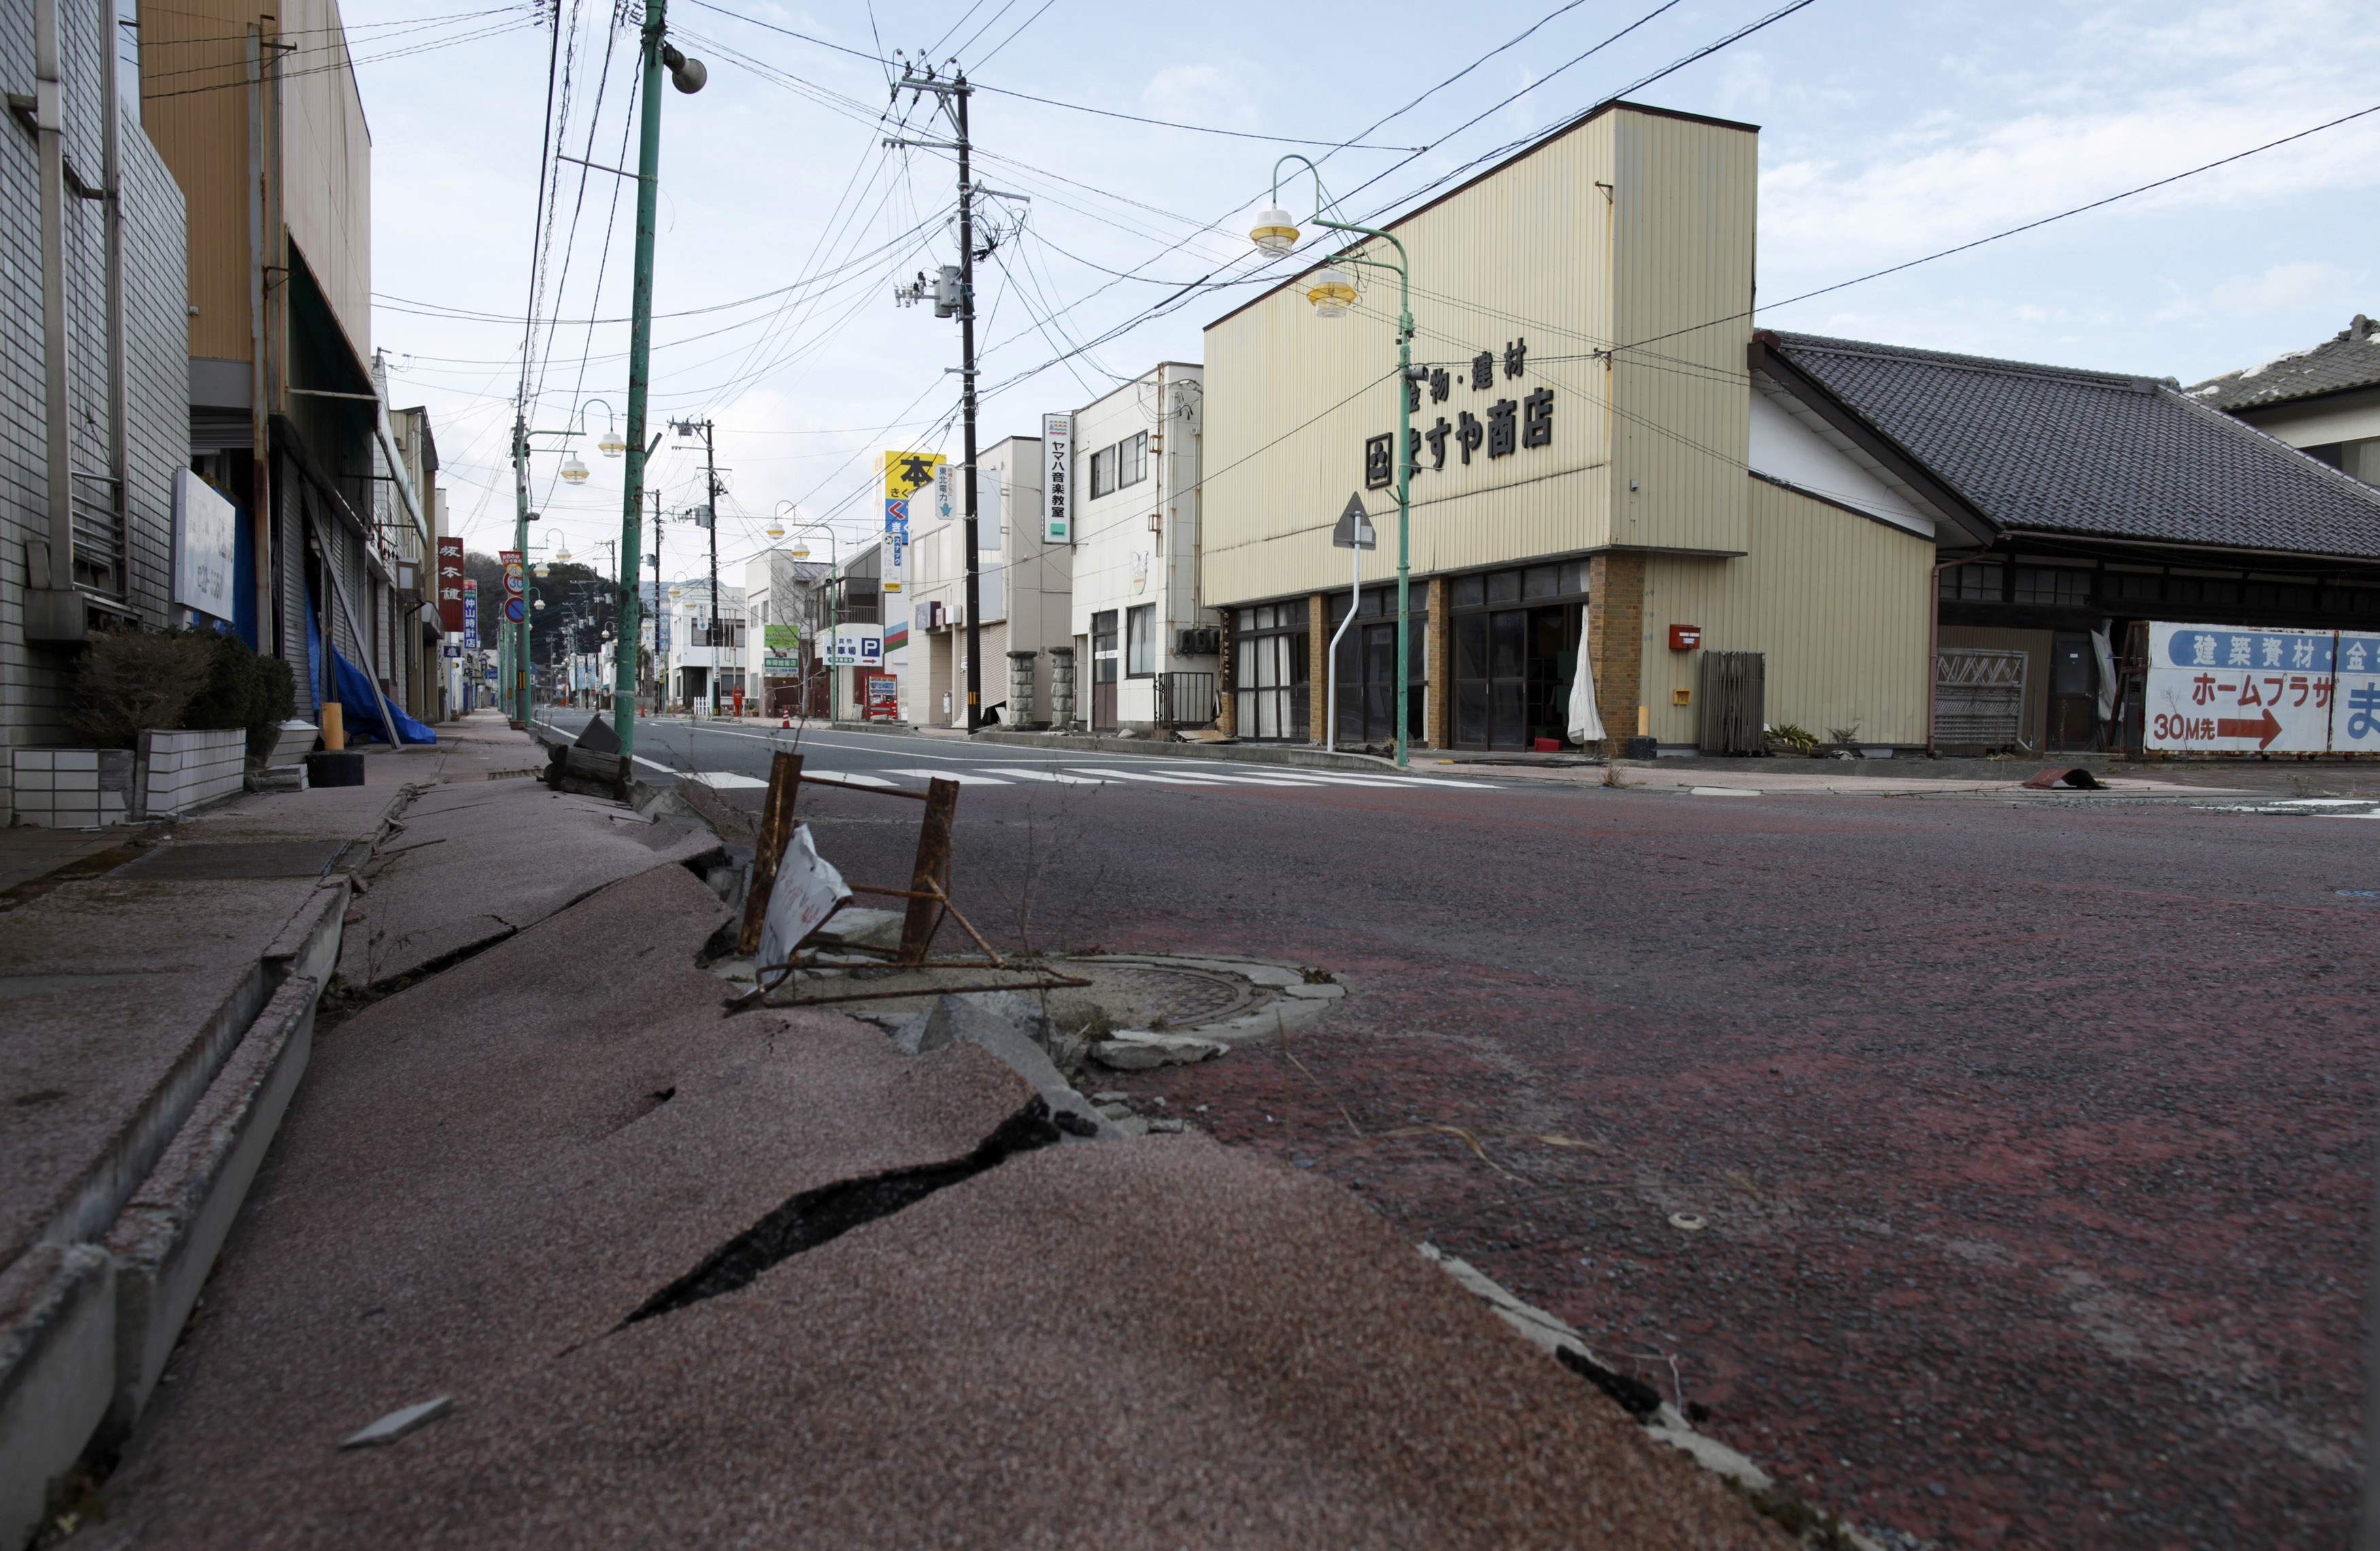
1186 699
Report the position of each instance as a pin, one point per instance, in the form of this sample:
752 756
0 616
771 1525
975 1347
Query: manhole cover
294 858
1142 995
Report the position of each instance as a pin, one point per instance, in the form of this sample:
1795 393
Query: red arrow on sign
2264 731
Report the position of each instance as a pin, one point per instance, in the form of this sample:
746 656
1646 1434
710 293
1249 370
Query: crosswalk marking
726 781
1146 775
953 775
1060 777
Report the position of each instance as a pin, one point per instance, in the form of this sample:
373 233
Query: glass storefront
1516 641
1367 665
1270 644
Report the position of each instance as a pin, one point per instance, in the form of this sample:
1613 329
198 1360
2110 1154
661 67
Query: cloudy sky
1887 131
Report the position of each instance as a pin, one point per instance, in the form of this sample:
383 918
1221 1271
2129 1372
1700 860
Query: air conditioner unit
1204 640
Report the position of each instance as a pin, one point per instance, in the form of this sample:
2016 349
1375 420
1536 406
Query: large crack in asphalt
816 1216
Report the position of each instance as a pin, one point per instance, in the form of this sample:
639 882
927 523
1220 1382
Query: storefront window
1269 680
1367 666
1140 641
1516 641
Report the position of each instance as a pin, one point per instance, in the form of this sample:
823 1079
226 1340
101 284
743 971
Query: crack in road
817 1216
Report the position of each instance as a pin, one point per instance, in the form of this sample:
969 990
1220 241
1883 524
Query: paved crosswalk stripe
724 780
856 780
953 775
1260 780
1145 775
1061 777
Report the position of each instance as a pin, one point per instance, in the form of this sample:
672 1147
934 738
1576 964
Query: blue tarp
360 709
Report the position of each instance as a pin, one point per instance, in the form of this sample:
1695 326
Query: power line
1046 102
350 63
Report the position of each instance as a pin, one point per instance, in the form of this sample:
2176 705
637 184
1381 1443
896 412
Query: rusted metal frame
776 830
952 910
875 790
778 975
930 872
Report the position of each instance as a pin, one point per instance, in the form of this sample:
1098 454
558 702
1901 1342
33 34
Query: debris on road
396 1424
1142 1051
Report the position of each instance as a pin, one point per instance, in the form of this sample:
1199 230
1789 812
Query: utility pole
660 669
687 76
953 94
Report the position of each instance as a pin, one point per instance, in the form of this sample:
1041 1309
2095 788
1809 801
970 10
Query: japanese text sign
450 585
2217 689
1057 479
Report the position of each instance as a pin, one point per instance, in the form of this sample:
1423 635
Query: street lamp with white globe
1331 293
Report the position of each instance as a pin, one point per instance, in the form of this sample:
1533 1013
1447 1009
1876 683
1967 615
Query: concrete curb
165 1240
85 1325
58 1368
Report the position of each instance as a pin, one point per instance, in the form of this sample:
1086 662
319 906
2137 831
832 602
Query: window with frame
1270 678
1140 641
2055 586
1977 582
1103 472
1132 459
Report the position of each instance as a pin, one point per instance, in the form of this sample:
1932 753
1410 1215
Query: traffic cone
787 721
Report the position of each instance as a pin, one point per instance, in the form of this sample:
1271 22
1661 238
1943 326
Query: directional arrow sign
1354 530
2264 730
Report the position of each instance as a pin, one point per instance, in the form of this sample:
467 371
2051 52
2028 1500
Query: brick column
1437 706
1615 585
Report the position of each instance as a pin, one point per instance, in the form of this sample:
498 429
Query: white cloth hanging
1586 724
2103 648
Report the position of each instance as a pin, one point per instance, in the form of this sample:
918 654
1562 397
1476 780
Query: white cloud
2281 288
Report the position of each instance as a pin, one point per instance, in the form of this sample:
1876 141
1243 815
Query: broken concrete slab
1296 1377
1141 1051
856 926
476 863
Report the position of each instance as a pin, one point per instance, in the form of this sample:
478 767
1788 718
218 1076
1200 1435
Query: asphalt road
2029 1140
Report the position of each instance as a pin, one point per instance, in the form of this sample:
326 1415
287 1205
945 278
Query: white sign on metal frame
1057 479
2223 689
206 529
856 646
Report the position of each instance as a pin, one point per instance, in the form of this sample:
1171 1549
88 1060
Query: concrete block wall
190 768
36 680
72 788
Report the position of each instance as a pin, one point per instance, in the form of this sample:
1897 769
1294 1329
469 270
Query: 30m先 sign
1057 479
206 529
2217 689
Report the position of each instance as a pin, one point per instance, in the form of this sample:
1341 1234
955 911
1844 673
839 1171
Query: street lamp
611 444
1332 295
572 471
801 551
776 528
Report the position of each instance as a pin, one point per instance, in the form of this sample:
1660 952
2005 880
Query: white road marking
1058 776
726 781
1146 775
953 775
854 778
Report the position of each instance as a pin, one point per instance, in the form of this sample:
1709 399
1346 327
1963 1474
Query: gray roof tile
2348 360
2049 449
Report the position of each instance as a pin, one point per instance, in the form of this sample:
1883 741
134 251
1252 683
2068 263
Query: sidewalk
157 988
665 1276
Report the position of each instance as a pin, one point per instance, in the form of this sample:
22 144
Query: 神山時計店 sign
2217 689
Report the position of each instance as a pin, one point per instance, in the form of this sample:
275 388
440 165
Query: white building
1146 649
705 646
1023 586
782 606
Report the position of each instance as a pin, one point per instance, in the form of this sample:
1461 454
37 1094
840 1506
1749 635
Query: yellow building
1583 462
